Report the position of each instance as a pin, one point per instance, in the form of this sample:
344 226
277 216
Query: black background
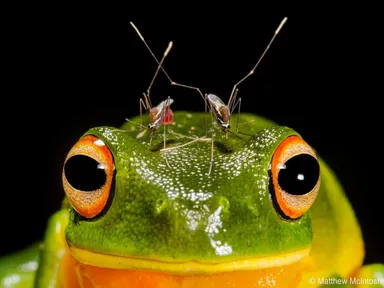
73 72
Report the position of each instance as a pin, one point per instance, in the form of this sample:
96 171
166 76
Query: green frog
267 212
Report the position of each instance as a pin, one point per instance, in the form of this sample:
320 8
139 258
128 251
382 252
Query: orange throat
111 271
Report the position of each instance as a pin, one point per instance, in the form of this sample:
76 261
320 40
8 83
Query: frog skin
141 223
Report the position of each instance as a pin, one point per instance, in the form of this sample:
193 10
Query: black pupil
84 173
299 175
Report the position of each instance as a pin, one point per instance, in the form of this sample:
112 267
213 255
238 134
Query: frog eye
88 176
295 177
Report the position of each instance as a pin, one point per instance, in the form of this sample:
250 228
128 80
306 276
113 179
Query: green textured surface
52 251
371 276
182 213
18 270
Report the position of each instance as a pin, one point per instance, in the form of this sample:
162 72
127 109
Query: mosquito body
222 112
157 116
160 115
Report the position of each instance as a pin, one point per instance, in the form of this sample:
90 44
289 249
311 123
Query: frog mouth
186 268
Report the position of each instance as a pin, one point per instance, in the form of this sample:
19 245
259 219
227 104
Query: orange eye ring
87 176
295 176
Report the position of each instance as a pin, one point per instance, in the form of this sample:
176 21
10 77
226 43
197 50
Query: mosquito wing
163 104
215 102
160 112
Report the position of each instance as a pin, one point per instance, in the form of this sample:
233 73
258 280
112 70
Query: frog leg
57 266
371 275
19 269
48 264
311 277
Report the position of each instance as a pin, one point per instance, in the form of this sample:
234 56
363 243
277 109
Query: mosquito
220 111
157 115
154 113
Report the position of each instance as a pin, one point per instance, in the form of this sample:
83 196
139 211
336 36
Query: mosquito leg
163 114
238 116
206 105
238 119
229 131
165 154
184 136
232 98
141 111
160 62
211 161
212 147
197 139
142 104
165 137
130 121
160 66
150 138
188 87
206 117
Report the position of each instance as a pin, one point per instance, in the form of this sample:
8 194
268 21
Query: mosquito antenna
161 66
258 62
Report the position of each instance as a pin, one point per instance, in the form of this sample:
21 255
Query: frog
271 213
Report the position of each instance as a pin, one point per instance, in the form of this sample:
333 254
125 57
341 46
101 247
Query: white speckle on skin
29 266
99 142
221 250
380 277
10 280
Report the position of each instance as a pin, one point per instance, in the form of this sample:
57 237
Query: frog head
130 210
